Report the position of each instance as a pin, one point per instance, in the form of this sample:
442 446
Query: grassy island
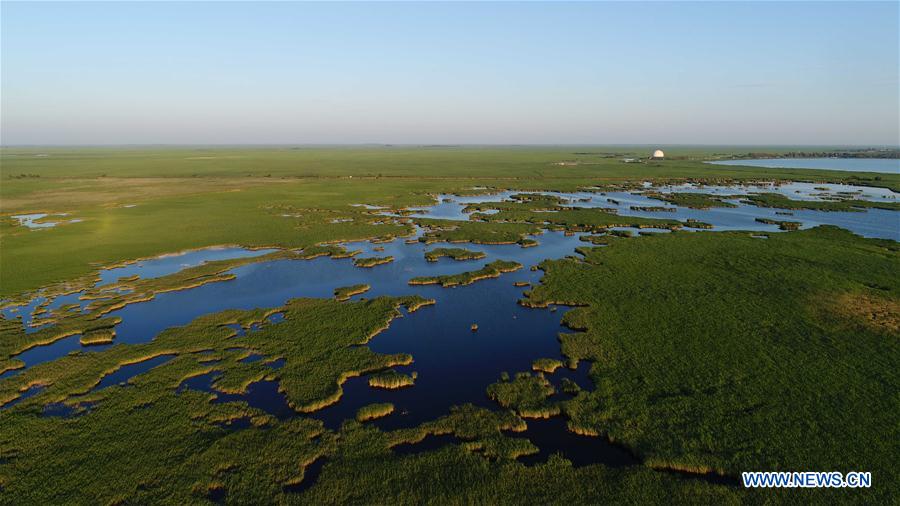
779 201
783 225
373 411
345 292
491 270
693 200
391 380
369 262
453 253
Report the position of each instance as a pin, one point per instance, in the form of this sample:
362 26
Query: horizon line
873 146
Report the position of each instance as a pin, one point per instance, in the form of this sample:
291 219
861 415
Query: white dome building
658 155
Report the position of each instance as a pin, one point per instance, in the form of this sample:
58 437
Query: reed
369 262
373 411
491 270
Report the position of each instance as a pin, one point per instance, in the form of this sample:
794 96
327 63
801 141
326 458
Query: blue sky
596 73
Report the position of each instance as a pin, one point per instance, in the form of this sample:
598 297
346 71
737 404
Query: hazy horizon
451 145
480 74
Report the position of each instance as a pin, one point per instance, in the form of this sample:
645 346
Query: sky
472 73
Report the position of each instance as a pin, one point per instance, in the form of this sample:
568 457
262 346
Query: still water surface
883 165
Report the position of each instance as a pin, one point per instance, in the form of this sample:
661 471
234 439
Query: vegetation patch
547 365
879 312
373 411
491 270
783 225
474 232
345 292
692 223
653 209
577 219
693 200
454 253
527 394
101 336
391 380
530 201
372 261
779 201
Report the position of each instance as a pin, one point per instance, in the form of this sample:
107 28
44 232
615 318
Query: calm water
32 220
454 364
883 165
877 223
169 264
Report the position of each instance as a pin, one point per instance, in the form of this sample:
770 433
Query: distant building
658 155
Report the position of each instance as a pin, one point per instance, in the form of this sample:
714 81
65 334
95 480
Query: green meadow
710 353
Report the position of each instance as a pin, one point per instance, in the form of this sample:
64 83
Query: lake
882 165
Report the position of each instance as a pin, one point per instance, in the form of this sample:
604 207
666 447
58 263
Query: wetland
543 332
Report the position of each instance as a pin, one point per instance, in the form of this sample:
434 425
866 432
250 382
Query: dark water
431 443
145 269
121 375
310 475
883 165
272 283
54 350
262 395
552 436
454 364
31 392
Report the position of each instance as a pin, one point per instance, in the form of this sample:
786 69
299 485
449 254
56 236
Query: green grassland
725 352
715 352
